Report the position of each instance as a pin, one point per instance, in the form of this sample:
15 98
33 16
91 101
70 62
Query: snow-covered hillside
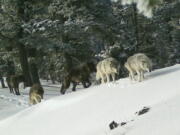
11 104
90 111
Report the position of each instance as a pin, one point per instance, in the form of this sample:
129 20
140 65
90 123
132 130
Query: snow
90 111
144 6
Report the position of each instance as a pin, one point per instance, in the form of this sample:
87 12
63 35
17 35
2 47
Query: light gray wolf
107 68
138 64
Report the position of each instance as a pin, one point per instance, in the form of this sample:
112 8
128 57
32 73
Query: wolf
138 64
106 68
36 94
13 83
78 74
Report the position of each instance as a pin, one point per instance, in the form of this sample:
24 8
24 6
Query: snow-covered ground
11 104
90 111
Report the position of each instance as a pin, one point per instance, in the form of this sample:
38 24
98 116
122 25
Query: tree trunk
135 18
68 64
34 73
2 82
24 64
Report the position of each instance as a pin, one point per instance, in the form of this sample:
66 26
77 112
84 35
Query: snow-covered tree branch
144 6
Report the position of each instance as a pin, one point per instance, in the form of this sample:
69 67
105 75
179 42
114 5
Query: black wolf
78 74
13 83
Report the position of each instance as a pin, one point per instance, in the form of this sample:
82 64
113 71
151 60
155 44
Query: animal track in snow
23 101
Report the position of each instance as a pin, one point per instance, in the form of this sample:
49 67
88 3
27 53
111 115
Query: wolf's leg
131 76
86 86
37 99
139 76
33 101
17 91
113 77
17 88
11 89
142 75
89 84
84 83
74 86
108 79
102 78
88 81
63 90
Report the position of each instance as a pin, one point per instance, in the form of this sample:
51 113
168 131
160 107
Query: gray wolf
138 64
106 68
36 94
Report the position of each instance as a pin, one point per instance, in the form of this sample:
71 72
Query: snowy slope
11 104
89 111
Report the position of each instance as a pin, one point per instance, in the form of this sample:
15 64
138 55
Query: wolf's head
146 66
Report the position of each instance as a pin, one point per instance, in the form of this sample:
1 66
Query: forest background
45 38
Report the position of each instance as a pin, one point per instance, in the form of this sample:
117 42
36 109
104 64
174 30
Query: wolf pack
106 70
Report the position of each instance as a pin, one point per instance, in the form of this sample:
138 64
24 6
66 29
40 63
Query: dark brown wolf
78 74
36 94
13 83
